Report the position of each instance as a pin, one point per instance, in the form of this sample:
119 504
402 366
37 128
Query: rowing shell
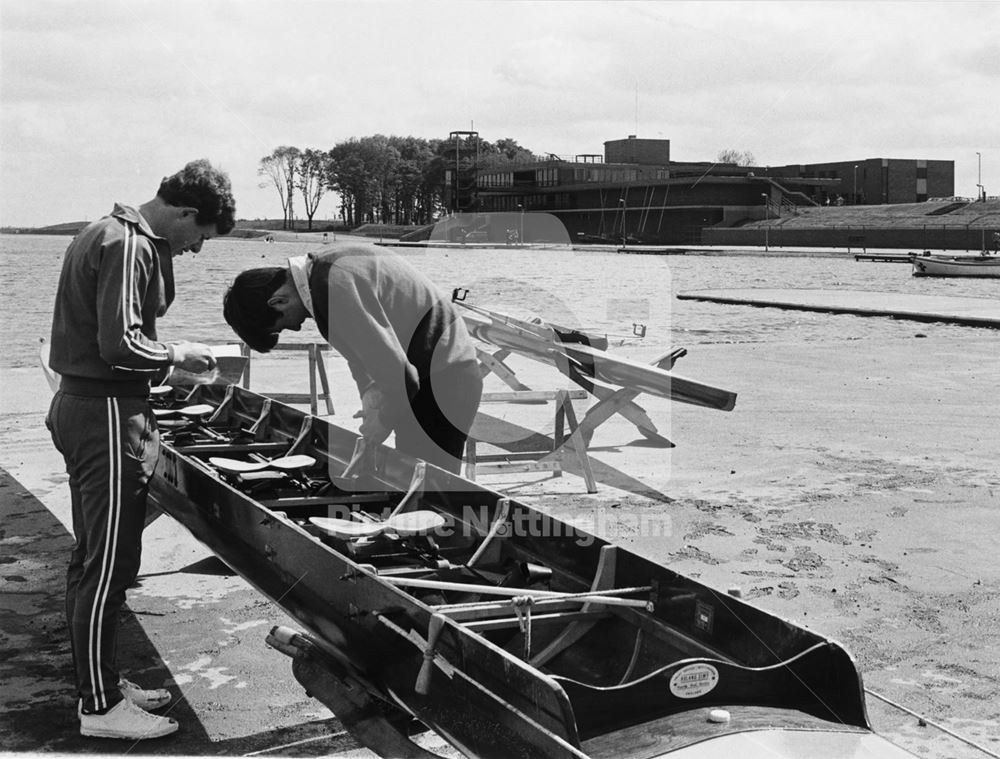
506 631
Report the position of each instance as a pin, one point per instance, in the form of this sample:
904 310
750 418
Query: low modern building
635 192
877 181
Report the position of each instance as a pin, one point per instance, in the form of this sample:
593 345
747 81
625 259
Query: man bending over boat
117 278
407 348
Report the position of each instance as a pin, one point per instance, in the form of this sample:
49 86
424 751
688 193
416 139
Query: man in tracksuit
117 278
408 350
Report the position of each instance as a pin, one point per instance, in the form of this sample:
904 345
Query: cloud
110 95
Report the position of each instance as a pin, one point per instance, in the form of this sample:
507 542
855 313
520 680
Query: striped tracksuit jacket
117 277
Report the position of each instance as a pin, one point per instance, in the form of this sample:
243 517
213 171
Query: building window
503 179
546 177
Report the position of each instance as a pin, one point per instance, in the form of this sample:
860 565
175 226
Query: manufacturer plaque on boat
694 680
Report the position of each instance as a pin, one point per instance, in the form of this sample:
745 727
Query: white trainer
144 698
126 721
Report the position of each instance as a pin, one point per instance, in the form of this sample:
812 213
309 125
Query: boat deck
978 312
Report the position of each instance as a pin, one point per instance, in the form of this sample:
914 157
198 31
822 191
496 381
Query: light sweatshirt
388 320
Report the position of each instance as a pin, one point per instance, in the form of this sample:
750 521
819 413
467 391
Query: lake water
603 291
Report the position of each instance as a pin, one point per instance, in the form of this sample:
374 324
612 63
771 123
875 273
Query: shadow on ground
38 705
512 437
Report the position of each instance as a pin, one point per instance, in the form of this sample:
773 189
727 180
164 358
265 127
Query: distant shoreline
72 228
314 238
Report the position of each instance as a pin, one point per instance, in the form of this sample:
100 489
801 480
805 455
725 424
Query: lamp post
855 196
767 221
520 231
621 202
982 192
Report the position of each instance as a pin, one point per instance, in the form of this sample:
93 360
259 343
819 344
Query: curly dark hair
202 186
245 306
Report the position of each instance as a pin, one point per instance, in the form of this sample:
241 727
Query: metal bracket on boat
265 411
303 435
362 570
679 599
416 490
500 523
226 400
359 461
362 463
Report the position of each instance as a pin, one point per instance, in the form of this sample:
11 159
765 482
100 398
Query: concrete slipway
862 502
976 312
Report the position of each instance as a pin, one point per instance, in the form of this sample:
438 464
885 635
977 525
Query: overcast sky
102 98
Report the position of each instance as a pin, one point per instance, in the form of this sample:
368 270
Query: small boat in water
929 265
432 601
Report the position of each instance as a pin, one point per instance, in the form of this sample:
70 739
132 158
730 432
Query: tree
505 151
312 180
740 158
392 180
431 201
380 158
412 157
282 168
346 175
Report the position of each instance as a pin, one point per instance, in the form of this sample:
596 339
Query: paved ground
863 502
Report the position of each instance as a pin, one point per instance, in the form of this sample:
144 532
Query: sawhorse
550 460
319 384
622 401
609 401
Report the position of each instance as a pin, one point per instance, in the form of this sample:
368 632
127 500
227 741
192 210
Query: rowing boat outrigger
508 632
583 357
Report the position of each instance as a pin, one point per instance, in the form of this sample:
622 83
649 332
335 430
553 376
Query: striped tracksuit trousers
110 447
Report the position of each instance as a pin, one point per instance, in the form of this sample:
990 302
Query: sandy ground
855 489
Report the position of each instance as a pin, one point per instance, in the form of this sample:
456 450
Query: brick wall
634 150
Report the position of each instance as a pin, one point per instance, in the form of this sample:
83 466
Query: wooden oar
160 390
404 525
286 463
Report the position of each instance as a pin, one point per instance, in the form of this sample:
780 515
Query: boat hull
658 664
956 266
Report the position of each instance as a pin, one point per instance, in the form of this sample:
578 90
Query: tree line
380 179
